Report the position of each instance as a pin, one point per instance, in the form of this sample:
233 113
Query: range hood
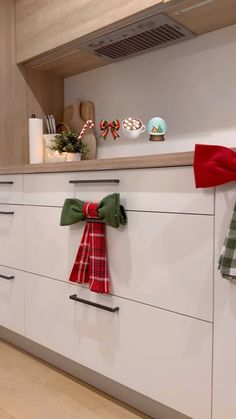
144 35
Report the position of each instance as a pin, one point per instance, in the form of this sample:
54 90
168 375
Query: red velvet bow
114 126
213 165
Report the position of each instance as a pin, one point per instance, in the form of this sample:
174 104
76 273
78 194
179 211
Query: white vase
73 156
49 155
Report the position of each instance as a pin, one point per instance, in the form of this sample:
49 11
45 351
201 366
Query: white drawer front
162 355
11 189
167 189
11 235
160 259
12 299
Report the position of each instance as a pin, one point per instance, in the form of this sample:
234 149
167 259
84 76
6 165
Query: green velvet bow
109 210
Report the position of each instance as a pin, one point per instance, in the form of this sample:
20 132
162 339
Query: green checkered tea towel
227 260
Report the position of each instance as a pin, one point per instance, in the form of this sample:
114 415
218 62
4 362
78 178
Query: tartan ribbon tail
80 270
91 264
98 264
104 134
227 259
114 133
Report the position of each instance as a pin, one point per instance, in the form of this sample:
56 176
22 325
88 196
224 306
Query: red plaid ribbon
91 265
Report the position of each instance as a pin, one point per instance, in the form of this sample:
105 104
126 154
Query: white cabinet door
11 235
12 299
161 259
160 354
11 189
224 385
166 189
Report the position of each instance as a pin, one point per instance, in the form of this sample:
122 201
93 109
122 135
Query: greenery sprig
67 142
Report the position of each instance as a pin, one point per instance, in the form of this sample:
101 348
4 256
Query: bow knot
90 210
105 126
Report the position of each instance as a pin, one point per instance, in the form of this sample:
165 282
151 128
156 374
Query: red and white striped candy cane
88 124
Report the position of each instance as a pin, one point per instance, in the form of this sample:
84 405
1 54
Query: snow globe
156 128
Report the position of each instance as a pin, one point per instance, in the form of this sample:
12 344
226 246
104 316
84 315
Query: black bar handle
95 181
7 212
7 277
90 303
7 182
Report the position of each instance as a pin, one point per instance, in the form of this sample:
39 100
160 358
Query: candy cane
88 124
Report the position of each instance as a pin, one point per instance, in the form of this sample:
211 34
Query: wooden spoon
87 112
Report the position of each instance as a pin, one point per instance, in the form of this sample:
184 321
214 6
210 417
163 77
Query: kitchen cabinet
23 91
12 302
51 35
42 26
38 27
161 266
11 235
169 267
160 354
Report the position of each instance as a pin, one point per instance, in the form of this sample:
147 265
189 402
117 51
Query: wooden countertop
118 163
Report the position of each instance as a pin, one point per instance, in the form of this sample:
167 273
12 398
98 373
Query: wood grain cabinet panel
86 16
38 27
160 354
44 25
160 259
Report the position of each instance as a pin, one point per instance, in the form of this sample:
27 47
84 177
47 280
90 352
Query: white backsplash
191 85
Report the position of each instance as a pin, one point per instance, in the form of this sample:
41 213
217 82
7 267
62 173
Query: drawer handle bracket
7 277
90 303
95 181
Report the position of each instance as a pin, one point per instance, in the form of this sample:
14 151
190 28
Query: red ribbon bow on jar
105 126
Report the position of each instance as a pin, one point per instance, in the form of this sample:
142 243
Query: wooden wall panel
22 92
38 27
205 18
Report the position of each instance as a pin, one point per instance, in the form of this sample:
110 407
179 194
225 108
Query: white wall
192 85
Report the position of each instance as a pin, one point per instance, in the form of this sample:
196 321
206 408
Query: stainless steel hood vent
150 33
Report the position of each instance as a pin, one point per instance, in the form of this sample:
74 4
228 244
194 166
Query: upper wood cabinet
61 36
46 24
38 27
86 16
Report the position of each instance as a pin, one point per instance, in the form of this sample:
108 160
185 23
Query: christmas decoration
91 264
132 127
88 124
156 127
105 126
213 165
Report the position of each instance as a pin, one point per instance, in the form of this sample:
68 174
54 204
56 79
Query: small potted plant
67 142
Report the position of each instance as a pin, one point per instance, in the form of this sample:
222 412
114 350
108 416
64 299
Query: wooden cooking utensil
87 112
72 116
